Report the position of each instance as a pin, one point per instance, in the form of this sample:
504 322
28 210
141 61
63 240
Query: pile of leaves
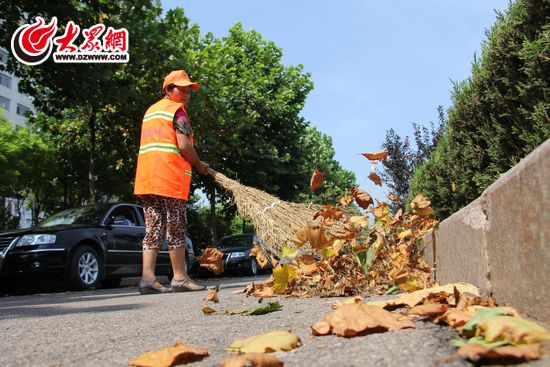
490 334
342 254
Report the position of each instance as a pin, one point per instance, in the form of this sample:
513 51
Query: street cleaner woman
163 180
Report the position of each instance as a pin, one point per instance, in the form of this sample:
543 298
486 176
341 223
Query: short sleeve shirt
181 123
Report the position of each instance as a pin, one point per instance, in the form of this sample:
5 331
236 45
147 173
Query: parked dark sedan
84 246
236 253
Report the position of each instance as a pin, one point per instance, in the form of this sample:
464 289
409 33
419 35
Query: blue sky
375 65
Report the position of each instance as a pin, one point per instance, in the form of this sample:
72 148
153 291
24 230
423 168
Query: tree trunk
213 223
244 226
91 168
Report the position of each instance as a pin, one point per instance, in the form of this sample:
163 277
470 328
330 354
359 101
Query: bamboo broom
273 219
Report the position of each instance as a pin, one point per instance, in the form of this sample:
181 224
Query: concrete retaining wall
501 241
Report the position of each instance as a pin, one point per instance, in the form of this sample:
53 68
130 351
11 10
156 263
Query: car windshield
241 241
90 215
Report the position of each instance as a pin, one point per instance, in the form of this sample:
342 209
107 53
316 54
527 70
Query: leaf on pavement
256 310
208 310
252 360
266 343
499 355
317 180
429 310
515 330
418 297
375 156
211 259
482 314
348 301
360 319
362 198
212 295
171 356
373 176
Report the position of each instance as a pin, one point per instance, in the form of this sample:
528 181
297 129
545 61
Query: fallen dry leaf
258 253
393 198
348 301
252 360
515 330
429 310
500 355
266 343
211 259
317 180
171 356
420 202
415 298
212 296
375 156
373 176
362 198
282 275
346 200
359 319
314 235
208 310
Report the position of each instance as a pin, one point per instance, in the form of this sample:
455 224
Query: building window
5 103
5 80
3 57
23 110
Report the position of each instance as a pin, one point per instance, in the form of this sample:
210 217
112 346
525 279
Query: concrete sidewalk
109 327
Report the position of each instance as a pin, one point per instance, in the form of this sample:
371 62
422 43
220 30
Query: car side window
142 214
123 216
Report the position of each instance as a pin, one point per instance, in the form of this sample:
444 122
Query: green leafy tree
499 114
403 158
319 153
27 163
246 115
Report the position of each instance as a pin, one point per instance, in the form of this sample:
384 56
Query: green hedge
498 115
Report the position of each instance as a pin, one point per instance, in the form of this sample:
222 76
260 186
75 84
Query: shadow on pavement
49 310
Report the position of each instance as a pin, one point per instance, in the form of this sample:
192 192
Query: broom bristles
273 219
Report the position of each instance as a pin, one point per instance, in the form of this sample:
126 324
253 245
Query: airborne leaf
317 180
375 156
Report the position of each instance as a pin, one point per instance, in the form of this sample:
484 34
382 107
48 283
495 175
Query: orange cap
179 78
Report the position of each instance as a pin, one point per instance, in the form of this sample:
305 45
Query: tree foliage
318 153
498 115
29 170
403 158
245 117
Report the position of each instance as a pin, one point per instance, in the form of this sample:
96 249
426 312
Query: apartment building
16 105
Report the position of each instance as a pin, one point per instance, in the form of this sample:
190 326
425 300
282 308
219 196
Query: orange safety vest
161 169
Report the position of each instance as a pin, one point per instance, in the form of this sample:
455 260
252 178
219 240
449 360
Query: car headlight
36 239
237 254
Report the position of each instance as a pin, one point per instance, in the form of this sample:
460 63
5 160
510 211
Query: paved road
109 327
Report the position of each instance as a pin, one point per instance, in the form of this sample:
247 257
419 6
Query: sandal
185 285
152 287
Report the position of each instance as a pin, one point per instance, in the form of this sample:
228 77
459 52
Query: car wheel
253 267
111 282
85 269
